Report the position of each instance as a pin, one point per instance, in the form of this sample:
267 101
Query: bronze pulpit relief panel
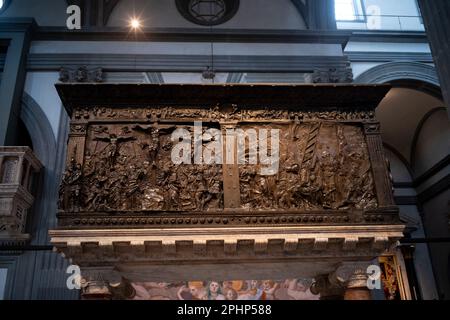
323 166
128 168
137 156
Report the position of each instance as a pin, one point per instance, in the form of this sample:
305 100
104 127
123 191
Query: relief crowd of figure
323 166
132 171
216 113
334 175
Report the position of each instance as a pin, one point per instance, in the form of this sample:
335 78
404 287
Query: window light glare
345 10
134 23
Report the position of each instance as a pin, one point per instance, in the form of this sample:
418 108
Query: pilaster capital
99 283
350 275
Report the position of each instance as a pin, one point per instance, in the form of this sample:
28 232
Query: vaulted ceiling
316 13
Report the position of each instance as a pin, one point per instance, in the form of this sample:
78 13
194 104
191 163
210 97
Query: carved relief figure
70 190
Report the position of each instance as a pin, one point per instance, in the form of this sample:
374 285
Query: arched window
349 10
4 5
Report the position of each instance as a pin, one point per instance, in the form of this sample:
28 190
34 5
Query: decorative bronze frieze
221 219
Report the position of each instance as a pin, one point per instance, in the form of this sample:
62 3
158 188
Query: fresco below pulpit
291 289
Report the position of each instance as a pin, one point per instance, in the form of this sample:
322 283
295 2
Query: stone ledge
153 245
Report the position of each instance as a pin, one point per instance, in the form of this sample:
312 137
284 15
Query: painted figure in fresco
141 293
269 287
214 291
192 291
297 290
230 294
254 292
230 290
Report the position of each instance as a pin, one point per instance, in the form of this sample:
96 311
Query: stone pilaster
19 33
435 16
230 167
383 183
352 276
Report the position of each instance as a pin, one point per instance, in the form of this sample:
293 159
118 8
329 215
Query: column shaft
436 15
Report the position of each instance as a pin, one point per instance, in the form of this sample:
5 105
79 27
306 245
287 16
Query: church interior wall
400 172
432 144
40 86
436 223
3 274
411 105
422 263
411 215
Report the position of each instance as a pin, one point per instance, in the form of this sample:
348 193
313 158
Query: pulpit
18 172
203 182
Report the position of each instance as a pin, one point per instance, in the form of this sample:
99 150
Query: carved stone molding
333 75
81 74
146 245
18 167
399 70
